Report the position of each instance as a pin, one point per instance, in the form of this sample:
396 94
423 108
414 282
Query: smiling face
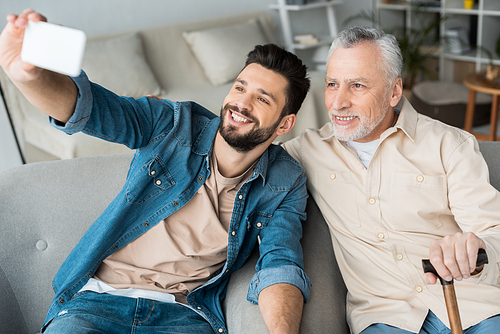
251 112
357 94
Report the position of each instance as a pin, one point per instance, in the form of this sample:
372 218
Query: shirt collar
407 121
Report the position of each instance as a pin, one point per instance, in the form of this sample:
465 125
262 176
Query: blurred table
476 82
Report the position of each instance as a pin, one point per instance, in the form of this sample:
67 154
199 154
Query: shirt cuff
83 107
490 273
285 274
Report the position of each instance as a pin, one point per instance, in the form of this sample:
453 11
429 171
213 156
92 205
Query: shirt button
420 178
240 196
233 233
380 235
147 224
176 204
61 301
333 176
200 179
152 172
158 182
221 330
199 308
259 224
372 201
399 256
419 289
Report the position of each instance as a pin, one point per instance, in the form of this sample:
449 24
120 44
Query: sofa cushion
222 51
119 65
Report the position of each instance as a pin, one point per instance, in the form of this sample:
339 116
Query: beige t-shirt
425 180
184 250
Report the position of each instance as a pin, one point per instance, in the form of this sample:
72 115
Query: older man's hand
454 256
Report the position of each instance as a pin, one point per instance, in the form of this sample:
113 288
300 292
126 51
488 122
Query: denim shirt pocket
150 180
255 223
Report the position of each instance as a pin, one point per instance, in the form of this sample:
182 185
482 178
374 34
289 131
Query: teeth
348 118
238 118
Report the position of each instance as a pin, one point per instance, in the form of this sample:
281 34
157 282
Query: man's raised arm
53 93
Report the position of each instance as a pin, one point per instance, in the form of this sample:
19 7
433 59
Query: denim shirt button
158 182
240 197
233 233
152 173
259 224
221 330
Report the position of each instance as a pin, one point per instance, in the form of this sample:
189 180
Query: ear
286 124
396 92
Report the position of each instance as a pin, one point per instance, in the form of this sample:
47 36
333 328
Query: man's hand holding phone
29 43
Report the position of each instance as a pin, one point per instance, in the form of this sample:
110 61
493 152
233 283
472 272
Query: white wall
98 16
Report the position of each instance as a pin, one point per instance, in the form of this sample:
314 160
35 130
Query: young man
201 189
397 187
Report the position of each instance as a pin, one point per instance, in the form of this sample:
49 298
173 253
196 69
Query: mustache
244 112
341 113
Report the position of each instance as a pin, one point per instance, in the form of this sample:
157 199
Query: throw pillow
118 64
222 51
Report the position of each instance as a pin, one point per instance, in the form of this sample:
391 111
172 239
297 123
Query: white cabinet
286 22
481 24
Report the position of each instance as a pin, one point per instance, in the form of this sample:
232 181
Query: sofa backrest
491 153
167 43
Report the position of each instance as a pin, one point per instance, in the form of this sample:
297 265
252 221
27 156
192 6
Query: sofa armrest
45 208
325 311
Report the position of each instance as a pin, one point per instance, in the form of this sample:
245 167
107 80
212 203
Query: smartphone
54 47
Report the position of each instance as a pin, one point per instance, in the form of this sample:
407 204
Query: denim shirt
175 140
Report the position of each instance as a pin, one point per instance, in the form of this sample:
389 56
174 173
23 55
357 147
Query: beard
365 125
245 142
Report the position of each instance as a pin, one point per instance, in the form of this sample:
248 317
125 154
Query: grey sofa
46 207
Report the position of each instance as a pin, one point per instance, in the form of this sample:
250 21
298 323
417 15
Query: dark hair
277 59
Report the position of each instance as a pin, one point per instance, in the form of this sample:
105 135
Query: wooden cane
449 292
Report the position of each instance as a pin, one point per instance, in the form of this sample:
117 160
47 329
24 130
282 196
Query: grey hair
392 59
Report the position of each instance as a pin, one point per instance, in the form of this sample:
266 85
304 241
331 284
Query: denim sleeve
82 110
281 257
124 120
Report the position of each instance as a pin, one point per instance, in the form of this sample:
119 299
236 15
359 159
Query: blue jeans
432 325
93 312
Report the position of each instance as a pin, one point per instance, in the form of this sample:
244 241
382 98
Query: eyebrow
351 80
260 90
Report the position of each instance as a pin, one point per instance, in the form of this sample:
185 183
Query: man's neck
232 163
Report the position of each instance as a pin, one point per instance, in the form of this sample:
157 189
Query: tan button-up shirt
426 180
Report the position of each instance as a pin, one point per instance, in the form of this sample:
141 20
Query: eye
261 99
240 89
358 86
331 85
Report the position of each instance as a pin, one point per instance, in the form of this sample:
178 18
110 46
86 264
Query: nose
244 102
338 99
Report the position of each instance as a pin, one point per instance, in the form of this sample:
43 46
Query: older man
395 187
